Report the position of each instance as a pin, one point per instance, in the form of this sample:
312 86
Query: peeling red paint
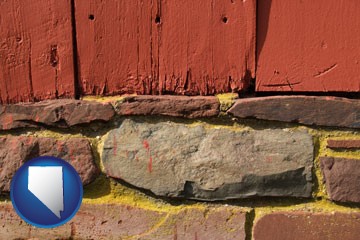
150 164
147 147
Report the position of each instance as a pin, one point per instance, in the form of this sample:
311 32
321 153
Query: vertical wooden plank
233 43
114 46
206 46
160 47
306 45
36 60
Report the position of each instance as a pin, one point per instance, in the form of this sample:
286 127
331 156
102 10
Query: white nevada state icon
46 183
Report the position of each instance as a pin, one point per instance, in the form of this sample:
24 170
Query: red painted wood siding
157 47
115 42
36 54
307 45
206 47
186 47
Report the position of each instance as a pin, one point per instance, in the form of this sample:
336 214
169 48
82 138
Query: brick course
118 221
343 144
308 226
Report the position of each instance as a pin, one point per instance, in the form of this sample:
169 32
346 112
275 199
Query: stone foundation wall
176 167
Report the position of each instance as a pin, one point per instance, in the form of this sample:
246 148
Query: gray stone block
195 162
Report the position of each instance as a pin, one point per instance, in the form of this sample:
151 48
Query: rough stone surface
109 221
15 150
226 223
13 227
325 111
343 144
342 178
179 160
59 113
176 106
307 226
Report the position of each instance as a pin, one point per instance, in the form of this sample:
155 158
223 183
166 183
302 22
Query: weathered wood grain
308 46
114 40
36 54
165 47
206 47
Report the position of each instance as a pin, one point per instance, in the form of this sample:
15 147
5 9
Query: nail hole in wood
157 20
91 17
225 19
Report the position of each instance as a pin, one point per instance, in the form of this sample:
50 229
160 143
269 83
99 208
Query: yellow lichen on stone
320 206
226 100
105 99
57 135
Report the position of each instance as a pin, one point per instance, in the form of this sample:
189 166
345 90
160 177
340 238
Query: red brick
176 106
308 46
117 221
308 226
15 150
13 227
342 178
111 221
343 144
225 223
308 110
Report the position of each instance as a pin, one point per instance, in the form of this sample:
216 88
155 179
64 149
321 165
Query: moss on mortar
320 150
226 100
105 99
